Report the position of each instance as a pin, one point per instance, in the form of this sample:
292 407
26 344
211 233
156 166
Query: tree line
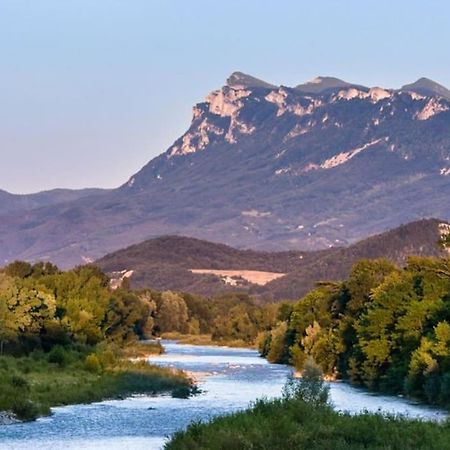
384 328
42 306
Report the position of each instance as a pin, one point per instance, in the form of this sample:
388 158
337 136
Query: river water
230 379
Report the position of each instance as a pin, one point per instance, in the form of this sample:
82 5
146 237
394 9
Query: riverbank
31 385
205 339
142 349
296 424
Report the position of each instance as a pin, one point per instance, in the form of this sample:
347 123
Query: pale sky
91 90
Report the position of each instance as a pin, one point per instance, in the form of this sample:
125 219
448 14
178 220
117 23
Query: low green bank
205 339
304 419
295 424
30 385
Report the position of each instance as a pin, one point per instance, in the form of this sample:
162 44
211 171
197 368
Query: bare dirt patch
252 276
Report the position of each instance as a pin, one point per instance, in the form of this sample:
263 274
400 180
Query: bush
92 363
19 382
57 356
310 387
25 409
445 390
181 392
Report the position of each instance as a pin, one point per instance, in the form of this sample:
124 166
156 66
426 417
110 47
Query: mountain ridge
265 167
22 202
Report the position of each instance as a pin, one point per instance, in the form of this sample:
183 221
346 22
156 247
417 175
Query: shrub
92 363
445 390
181 392
19 382
57 356
310 387
25 409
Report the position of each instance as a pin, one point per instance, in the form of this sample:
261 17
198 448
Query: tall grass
30 385
295 424
304 419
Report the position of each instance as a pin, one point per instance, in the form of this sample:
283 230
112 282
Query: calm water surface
229 378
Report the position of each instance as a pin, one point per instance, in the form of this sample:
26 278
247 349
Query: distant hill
167 262
13 203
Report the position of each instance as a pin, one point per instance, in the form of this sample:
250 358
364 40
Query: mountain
427 87
25 202
320 85
264 167
168 262
239 80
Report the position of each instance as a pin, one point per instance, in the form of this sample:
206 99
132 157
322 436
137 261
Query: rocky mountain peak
241 80
232 113
321 84
427 87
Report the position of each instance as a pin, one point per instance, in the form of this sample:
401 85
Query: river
229 378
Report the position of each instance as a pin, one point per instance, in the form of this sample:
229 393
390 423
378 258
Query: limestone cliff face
318 165
330 120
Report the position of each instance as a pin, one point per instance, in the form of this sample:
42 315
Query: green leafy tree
172 314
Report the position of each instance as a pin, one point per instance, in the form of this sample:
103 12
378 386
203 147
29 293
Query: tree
310 387
172 314
19 269
279 351
24 311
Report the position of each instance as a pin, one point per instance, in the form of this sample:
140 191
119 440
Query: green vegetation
41 307
205 339
295 424
30 385
384 328
303 419
65 337
165 263
229 319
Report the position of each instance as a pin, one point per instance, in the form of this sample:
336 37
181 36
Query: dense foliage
384 328
41 307
226 318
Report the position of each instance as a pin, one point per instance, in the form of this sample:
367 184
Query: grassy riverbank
142 349
205 339
304 419
30 385
296 424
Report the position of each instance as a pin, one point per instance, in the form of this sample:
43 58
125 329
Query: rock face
322 164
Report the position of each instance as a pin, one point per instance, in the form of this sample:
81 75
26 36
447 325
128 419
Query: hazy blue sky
90 90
